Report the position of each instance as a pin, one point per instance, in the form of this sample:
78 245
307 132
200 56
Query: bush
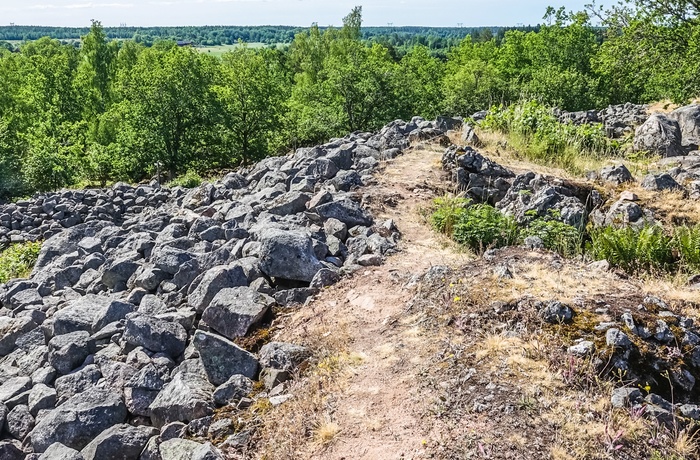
18 260
556 236
188 180
482 226
634 251
686 243
449 211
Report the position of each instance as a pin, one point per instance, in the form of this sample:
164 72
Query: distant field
218 51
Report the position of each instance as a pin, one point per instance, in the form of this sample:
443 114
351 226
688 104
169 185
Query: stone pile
123 340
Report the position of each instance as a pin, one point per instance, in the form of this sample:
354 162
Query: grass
18 260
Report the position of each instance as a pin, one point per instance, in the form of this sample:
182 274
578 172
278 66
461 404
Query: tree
251 91
95 71
420 83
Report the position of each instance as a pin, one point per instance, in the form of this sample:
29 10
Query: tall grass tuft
17 261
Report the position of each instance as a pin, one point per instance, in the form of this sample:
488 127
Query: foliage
544 139
556 236
634 250
448 211
18 260
482 226
686 243
188 180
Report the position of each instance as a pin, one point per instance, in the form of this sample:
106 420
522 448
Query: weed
482 226
686 241
18 260
556 236
448 211
635 251
188 180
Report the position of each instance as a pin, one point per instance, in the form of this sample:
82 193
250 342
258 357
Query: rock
660 182
155 334
13 387
58 451
659 135
79 420
11 451
625 397
469 137
346 211
236 387
119 271
691 411
324 278
617 339
688 119
283 356
119 442
72 384
41 397
232 312
207 452
288 255
681 377
616 175
222 358
11 329
68 351
89 313
370 260
623 213
582 349
178 449
186 397
215 280
555 313
629 196
19 422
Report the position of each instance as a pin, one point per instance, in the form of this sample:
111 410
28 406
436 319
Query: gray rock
215 280
617 339
19 422
346 211
207 452
79 420
155 334
13 387
623 213
11 451
236 387
68 351
178 449
682 378
625 397
616 175
660 182
283 356
222 358
324 278
119 442
688 119
172 430
11 329
89 313
288 255
188 396
58 451
659 135
555 313
120 270
72 384
582 349
232 312
691 411
41 397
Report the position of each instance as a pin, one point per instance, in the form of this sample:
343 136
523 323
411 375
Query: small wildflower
457 299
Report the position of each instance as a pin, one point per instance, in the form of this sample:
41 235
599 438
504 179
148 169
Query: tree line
119 110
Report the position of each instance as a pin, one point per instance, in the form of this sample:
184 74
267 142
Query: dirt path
373 408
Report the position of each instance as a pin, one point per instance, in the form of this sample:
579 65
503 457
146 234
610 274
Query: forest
118 110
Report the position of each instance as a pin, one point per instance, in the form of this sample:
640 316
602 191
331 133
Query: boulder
222 358
188 396
58 451
119 442
659 135
288 255
155 334
660 182
236 387
688 119
68 351
79 420
282 355
215 280
233 311
11 329
10 450
346 211
19 422
616 175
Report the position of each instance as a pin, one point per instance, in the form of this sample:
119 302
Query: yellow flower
457 299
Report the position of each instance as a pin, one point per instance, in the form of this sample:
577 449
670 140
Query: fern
686 243
448 211
634 251
482 226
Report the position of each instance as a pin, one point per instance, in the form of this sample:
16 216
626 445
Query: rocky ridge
126 337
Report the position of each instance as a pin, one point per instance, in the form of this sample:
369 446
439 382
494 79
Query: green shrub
556 236
634 251
448 211
482 226
188 180
686 243
18 260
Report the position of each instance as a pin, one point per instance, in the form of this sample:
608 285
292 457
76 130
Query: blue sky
285 12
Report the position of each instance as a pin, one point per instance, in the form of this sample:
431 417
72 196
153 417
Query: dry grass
326 432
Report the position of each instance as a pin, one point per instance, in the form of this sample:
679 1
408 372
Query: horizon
258 13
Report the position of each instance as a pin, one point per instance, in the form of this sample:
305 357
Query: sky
75 13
